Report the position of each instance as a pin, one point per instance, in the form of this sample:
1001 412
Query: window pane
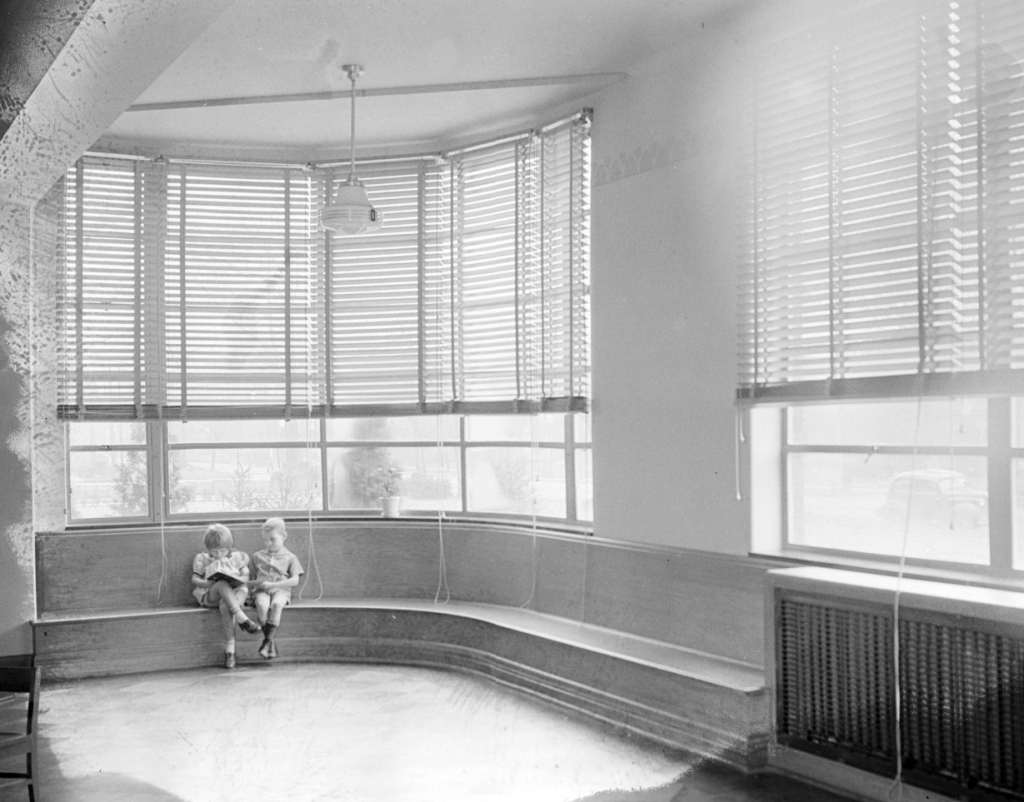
581 428
427 478
244 431
945 422
106 433
412 428
842 501
1018 514
1017 423
515 480
108 484
548 428
242 479
584 485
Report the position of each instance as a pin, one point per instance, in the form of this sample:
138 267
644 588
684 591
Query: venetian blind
374 297
520 271
206 290
882 243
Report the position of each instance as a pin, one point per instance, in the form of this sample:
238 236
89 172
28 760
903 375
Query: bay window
257 363
530 467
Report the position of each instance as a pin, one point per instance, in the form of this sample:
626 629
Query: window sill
495 522
952 576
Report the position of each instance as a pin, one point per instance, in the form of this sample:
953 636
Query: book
219 570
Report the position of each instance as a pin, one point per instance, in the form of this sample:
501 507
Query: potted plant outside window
390 488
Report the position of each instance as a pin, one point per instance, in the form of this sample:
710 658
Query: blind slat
879 236
191 287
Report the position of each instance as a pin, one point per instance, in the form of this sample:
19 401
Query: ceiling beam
604 78
115 52
31 35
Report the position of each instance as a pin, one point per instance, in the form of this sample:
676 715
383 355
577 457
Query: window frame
999 454
159 451
881 249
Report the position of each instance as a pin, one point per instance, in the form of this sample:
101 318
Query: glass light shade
351 212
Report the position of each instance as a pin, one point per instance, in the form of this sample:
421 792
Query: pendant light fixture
351 211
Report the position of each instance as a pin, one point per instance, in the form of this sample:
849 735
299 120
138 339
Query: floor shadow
53 786
711 780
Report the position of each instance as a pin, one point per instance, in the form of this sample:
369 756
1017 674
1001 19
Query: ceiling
424 65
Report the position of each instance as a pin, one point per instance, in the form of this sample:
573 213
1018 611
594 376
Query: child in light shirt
277 572
222 593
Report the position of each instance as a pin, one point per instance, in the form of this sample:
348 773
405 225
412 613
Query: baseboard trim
847 780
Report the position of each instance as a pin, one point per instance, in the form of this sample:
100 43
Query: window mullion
158 470
322 446
137 248
783 474
79 288
571 511
183 296
1000 486
287 294
421 284
462 463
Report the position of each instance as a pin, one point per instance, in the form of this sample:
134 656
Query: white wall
114 53
665 223
17 563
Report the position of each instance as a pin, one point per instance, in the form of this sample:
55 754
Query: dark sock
269 630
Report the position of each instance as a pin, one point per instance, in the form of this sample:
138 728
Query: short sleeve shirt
277 566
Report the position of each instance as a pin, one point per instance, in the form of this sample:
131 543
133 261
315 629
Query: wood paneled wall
706 602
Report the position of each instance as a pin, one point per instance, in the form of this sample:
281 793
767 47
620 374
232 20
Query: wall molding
658 153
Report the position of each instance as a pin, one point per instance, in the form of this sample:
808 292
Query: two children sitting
222 578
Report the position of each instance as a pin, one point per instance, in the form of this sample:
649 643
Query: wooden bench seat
664 642
683 698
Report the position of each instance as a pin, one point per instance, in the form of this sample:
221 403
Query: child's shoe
272 649
265 649
229 659
248 625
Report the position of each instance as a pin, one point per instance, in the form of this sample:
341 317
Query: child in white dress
220 591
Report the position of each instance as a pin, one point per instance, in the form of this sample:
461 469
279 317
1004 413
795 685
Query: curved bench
681 698
663 642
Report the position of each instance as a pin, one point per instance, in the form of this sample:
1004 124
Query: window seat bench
680 697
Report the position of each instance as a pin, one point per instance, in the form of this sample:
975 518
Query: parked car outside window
937 496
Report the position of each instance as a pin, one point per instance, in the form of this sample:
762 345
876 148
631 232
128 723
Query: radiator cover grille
962 693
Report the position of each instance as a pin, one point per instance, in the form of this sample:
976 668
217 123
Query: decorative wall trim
656 154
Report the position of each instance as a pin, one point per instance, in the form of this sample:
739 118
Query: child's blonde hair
275 525
218 536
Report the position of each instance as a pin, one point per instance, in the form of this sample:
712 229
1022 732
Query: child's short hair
218 536
275 525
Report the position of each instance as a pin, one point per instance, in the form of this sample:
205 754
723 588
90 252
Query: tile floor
313 732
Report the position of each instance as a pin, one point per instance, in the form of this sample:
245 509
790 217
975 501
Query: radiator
961 723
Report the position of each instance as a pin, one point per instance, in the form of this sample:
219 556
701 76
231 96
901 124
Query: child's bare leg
227 622
262 601
277 604
223 593
230 602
